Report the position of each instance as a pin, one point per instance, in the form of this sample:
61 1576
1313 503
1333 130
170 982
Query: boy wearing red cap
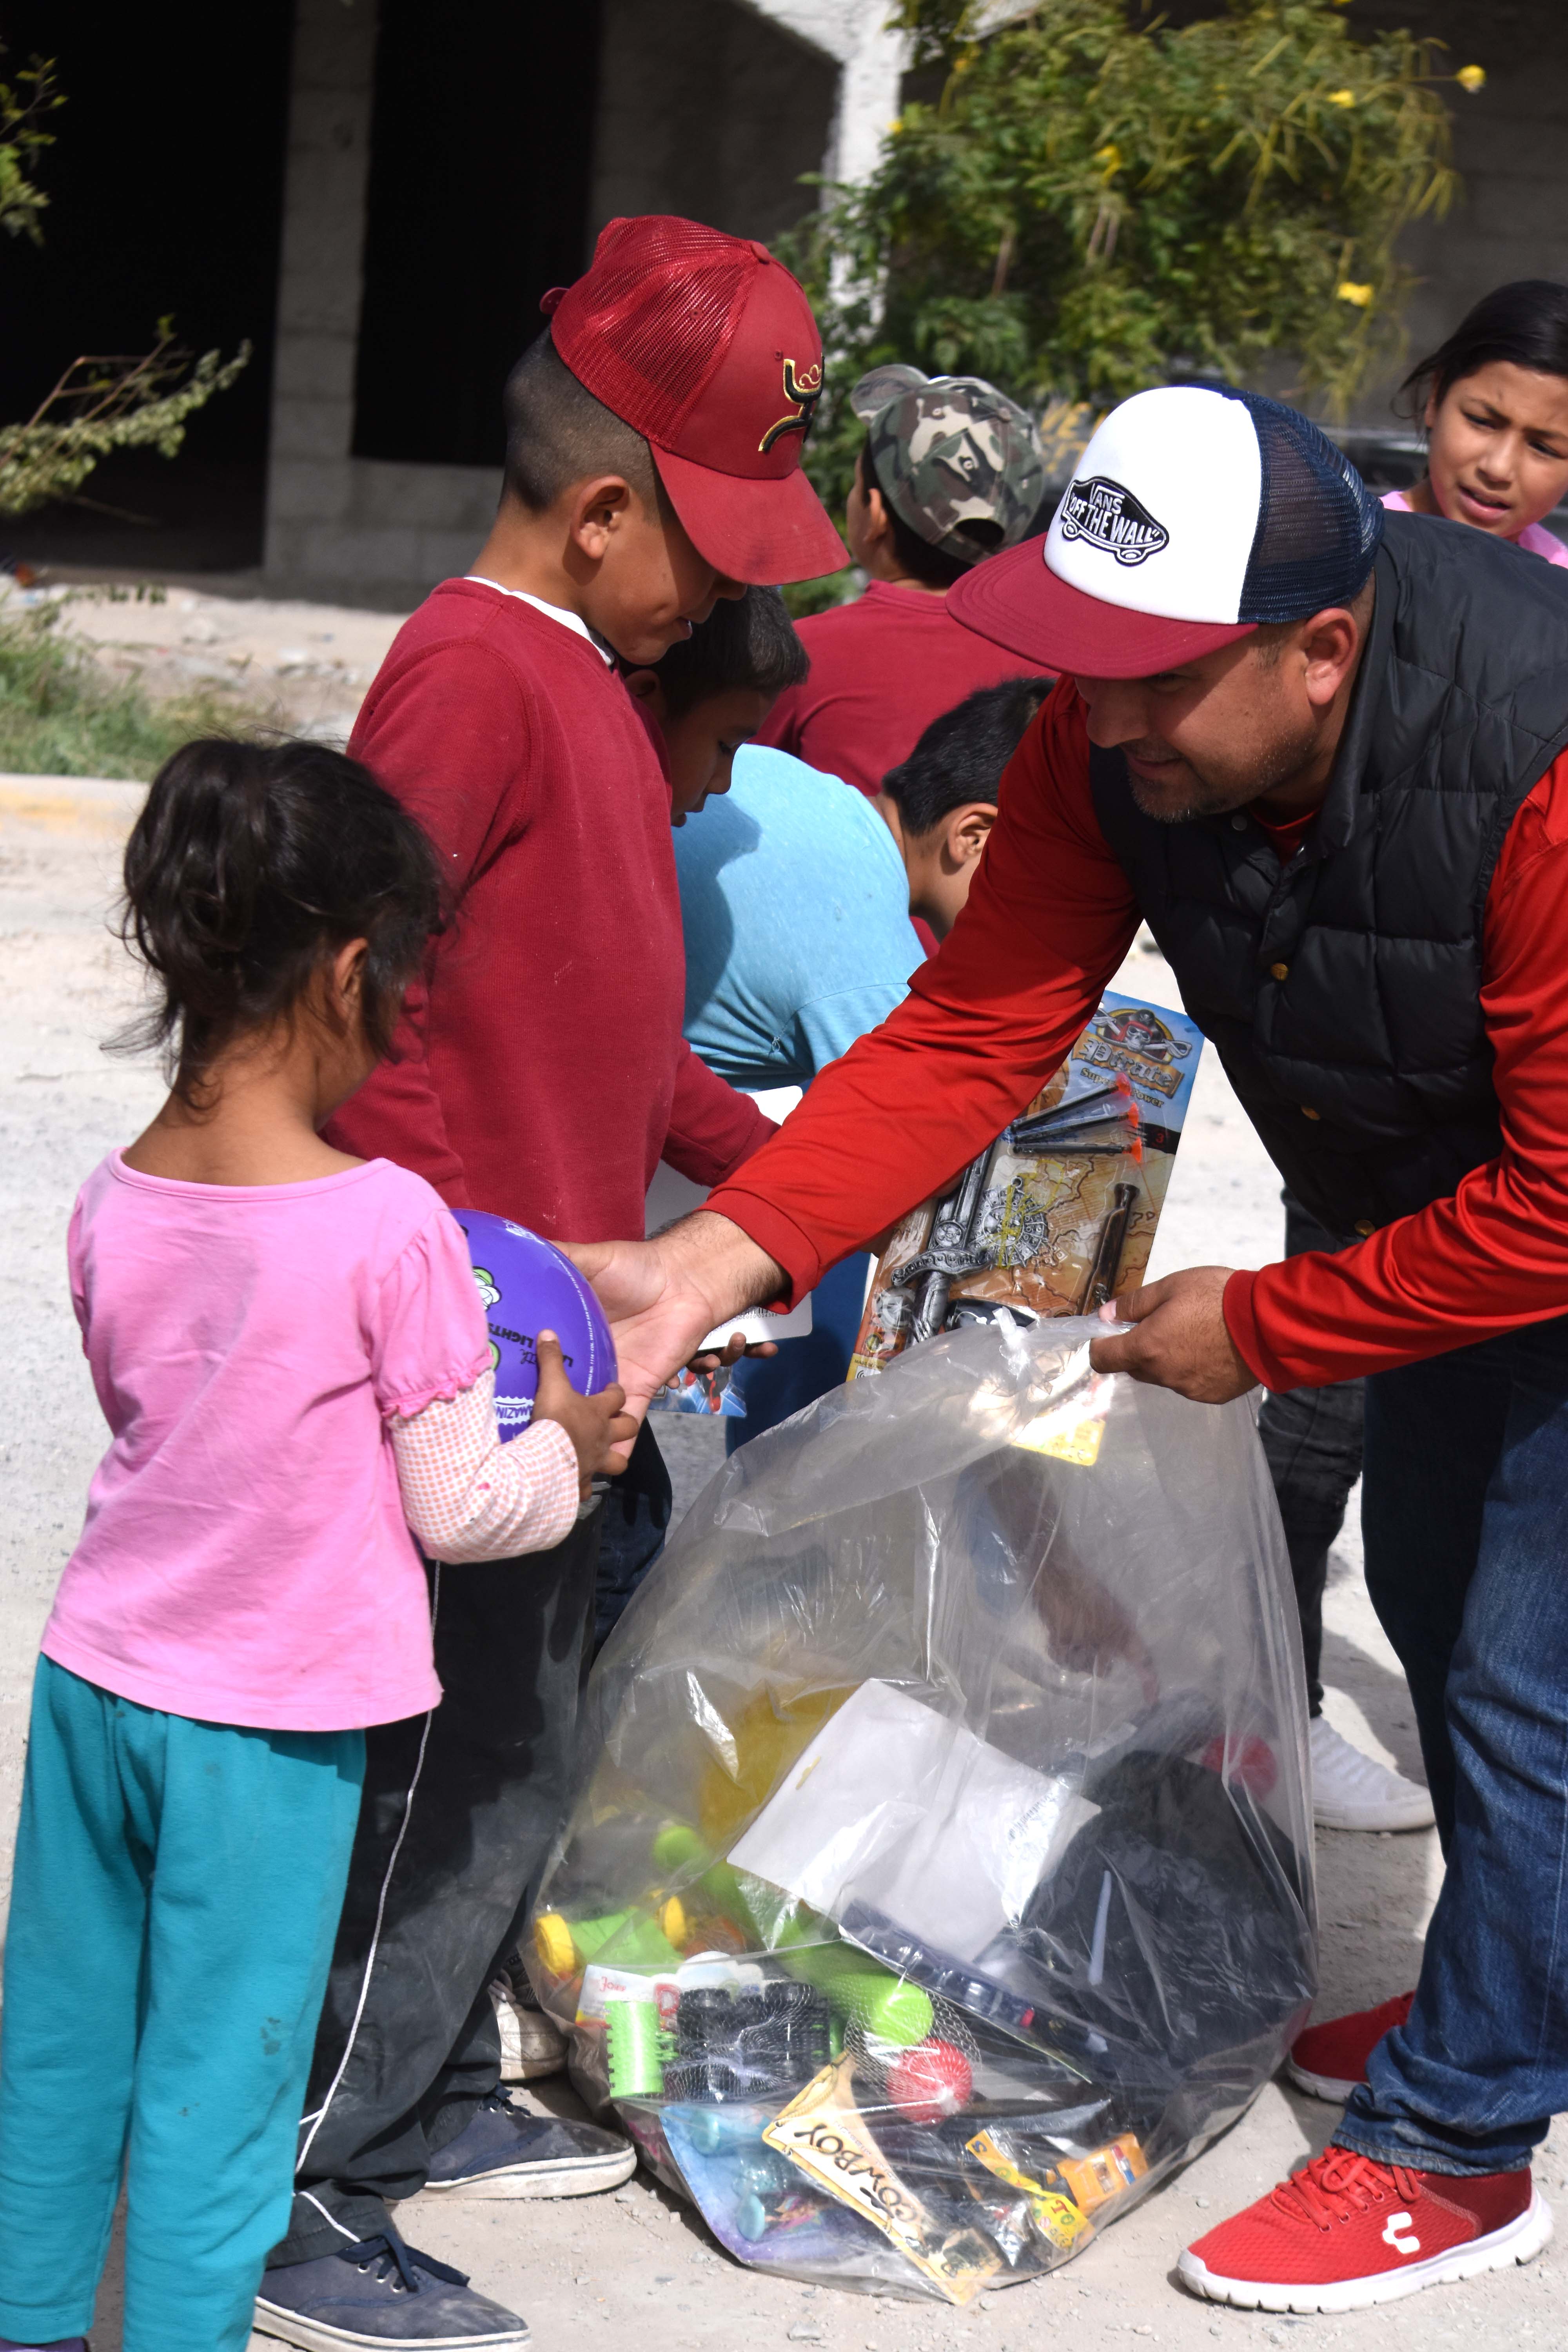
653 466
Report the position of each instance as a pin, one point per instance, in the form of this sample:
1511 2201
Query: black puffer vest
1343 990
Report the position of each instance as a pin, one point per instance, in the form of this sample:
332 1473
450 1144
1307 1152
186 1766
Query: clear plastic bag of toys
939 1876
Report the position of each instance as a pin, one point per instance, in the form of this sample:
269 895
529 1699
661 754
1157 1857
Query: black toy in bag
940 1874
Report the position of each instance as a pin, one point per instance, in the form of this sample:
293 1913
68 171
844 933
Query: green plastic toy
858 1990
625 1940
631 2048
681 1855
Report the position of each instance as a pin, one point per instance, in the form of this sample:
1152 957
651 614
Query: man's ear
598 508
1330 642
644 686
965 832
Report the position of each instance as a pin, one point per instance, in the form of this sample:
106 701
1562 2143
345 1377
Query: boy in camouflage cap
956 460
951 472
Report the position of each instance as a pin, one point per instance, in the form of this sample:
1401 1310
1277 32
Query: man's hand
663 1296
1181 1342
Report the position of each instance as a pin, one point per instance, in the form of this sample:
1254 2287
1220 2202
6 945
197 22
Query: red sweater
881 670
1048 921
544 1072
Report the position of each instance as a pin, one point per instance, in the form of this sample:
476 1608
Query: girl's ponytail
250 866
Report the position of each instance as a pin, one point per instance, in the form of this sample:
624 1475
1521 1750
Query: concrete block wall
346 529
709 109
310 485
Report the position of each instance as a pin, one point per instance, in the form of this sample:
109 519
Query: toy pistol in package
1059 1213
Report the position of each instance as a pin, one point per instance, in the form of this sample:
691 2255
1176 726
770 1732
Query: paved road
637 2262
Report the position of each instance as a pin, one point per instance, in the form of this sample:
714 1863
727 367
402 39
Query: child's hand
596 1425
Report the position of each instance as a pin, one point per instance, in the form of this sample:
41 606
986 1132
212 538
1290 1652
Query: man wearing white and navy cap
1320 751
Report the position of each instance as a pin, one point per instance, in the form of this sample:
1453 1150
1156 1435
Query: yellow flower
896 126
1472 78
1349 291
1110 158
1342 98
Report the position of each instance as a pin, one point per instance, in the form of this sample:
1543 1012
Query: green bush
60 714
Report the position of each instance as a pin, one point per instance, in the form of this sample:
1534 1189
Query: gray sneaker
505 2151
378 2291
530 2045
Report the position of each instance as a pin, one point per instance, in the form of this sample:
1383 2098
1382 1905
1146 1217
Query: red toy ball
930 2082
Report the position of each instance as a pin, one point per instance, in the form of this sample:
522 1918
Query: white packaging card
896 1806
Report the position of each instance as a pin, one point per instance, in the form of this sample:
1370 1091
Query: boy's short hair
558 433
960 756
746 641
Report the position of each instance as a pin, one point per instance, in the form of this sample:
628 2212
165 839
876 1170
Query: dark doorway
165 196
481 148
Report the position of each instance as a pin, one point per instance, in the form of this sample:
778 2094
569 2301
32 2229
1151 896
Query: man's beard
1203 798
1216 792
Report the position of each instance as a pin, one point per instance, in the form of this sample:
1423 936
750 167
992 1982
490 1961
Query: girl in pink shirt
292 1355
1494 401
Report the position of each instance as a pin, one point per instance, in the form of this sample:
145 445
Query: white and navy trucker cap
1195 514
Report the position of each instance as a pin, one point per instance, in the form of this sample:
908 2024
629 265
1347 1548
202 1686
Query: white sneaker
1350 1792
530 2043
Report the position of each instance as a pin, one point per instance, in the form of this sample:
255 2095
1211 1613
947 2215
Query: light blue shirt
796 911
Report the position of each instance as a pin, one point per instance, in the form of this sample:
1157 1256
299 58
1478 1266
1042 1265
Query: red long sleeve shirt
881 670
1050 919
543 1073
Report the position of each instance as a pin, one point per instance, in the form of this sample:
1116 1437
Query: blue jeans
1465 1511
633 1518
177 1889
1312 1442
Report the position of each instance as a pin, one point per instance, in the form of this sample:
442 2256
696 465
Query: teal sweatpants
176 1895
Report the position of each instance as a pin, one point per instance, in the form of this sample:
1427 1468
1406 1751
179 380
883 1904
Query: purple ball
528 1287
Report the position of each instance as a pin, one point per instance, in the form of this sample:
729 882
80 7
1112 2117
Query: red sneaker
1328 2061
1348 2232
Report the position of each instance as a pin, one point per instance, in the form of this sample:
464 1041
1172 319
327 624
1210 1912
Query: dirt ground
301 665
636 2262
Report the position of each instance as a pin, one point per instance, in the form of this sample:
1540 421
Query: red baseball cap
706 345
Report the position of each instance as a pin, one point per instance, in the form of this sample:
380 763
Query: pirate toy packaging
939 1876
1059 1213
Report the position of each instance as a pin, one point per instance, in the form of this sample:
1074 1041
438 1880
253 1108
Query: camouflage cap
951 453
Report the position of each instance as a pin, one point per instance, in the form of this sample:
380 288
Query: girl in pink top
1494 401
292 1355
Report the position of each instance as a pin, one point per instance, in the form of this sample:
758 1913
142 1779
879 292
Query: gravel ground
636 2262
299 665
